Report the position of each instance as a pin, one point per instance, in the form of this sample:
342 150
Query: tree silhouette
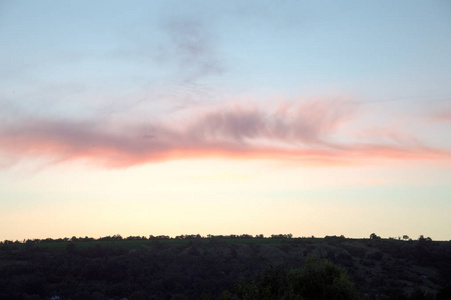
318 279
374 236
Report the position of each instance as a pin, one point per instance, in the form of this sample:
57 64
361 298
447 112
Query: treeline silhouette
225 267
118 237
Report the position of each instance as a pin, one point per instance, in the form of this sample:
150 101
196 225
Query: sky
225 117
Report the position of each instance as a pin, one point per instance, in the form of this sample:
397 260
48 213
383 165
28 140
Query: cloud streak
310 133
191 47
443 116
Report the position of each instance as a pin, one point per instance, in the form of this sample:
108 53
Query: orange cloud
307 133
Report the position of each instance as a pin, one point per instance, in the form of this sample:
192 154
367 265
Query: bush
318 279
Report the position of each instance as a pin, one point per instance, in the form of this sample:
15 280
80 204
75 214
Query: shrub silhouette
318 279
374 236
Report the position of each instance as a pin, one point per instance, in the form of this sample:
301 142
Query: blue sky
322 109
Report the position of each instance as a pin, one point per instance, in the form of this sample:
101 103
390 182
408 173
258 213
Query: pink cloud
307 133
443 116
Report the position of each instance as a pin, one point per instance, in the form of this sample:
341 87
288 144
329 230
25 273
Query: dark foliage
225 267
317 280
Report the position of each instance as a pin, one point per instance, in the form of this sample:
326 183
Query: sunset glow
171 118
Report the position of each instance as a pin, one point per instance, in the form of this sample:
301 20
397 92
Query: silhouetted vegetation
318 279
225 267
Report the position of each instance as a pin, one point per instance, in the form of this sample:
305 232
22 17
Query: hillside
191 267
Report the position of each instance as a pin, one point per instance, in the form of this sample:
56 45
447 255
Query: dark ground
194 268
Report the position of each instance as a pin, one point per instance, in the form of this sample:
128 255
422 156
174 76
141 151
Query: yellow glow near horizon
218 197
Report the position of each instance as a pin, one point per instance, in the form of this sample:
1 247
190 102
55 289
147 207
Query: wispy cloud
192 48
308 123
444 116
310 133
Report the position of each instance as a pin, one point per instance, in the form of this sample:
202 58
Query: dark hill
191 267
